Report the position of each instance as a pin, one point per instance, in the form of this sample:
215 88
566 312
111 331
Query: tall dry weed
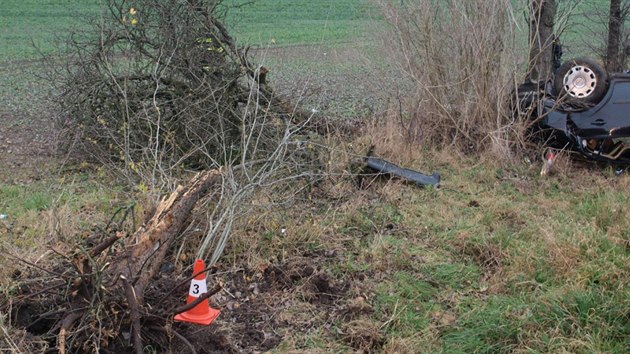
461 59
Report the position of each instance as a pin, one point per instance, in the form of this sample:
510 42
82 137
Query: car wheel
580 82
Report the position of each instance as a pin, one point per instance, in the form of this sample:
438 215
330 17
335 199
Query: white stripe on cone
197 287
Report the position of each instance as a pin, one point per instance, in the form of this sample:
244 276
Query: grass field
504 261
32 26
302 22
499 260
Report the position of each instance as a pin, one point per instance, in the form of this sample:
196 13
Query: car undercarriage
583 109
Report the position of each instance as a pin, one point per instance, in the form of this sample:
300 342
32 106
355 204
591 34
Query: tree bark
541 38
614 36
140 262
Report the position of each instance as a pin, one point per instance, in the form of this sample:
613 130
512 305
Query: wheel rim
580 81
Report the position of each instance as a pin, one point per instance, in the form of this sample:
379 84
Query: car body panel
584 128
609 118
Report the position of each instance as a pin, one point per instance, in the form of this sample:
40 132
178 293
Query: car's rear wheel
580 82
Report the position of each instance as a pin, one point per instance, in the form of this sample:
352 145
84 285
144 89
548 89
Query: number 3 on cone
197 287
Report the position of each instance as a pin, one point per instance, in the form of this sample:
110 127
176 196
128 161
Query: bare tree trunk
541 38
614 36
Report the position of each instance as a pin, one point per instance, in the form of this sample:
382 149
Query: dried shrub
160 86
460 57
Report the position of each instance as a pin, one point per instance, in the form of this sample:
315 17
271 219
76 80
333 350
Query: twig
126 208
42 256
105 245
66 324
183 339
59 253
35 265
186 280
59 323
201 298
41 291
229 293
135 315
14 348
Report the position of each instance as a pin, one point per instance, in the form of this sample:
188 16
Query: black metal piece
382 166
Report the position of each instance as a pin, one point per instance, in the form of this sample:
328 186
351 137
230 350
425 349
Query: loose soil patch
260 307
27 136
27 150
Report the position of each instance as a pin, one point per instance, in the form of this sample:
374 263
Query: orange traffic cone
201 314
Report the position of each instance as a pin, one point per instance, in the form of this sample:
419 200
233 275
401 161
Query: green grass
559 282
290 22
15 200
31 27
533 265
541 323
75 194
541 271
51 209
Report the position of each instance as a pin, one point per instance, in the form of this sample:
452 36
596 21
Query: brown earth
260 308
26 150
27 136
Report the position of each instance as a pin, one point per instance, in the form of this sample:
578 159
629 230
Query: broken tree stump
104 292
141 260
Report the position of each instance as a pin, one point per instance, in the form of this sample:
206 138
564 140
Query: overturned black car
583 109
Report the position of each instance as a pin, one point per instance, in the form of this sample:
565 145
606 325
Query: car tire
580 82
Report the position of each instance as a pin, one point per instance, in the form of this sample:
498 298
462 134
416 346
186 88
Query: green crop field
499 260
31 27
302 21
